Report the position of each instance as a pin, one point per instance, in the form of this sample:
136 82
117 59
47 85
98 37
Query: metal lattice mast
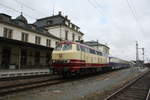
137 51
143 54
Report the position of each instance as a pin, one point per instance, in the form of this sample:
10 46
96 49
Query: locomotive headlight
67 61
53 61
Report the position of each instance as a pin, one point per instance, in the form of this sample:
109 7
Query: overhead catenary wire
25 5
134 13
8 7
110 16
17 11
100 12
20 3
99 8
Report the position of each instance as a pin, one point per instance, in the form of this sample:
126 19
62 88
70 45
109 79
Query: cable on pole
134 13
16 10
99 8
17 1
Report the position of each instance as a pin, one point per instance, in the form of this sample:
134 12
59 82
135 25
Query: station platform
23 72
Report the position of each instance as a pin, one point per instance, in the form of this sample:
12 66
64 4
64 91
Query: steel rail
5 90
148 95
126 86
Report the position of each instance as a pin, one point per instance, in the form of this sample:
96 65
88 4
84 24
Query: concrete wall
17 32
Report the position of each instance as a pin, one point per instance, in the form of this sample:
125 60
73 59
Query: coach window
82 48
87 50
92 51
67 47
103 54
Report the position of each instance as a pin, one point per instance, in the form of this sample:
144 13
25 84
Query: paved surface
23 72
78 89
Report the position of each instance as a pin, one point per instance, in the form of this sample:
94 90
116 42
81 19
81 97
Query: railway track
13 85
7 87
138 89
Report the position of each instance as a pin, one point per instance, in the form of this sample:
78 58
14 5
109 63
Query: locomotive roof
70 42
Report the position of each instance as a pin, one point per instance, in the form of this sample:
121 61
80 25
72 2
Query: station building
95 44
61 27
29 46
24 45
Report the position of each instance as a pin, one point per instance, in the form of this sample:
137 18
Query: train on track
74 58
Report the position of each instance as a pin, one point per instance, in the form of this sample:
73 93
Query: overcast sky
112 22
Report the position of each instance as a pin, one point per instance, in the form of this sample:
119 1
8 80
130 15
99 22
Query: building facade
24 45
95 44
61 27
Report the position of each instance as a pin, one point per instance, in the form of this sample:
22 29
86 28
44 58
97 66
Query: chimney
66 17
59 12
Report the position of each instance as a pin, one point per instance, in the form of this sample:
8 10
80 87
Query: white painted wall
60 32
102 49
1 30
55 31
17 32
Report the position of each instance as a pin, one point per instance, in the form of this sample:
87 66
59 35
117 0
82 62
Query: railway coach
73 58
116 63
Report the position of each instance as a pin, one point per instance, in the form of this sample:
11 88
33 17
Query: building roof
94 43
49 21
22 19
56 20
21 22
2 14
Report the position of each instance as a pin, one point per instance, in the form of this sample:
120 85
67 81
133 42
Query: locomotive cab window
58 47
67 47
